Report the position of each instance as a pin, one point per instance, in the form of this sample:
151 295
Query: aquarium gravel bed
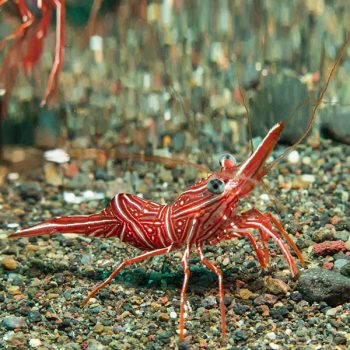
43 280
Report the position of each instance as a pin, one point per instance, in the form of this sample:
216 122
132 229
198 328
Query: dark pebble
251 264
279 312
318 285
345 270
59 278
296 296
257 284
227 300
34 316
66 322
164 336
30 191
209 302
239 336
343 225
30 303
260 328
240 309
339 339
107 322
185 345
96 310
312 321
23 312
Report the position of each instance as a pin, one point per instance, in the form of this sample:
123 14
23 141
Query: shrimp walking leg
183 291
122 265
218 272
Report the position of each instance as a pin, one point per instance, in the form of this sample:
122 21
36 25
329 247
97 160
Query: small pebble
35 342
345 197
293 157
308 178
14 290
164 317
99 328
267 299
264 310
276 286
340 339
52 296
271 335
306 160
245 293
9 263
332 311
226 261
13 322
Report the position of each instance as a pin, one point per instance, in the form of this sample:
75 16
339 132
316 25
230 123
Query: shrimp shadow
201 279
156 277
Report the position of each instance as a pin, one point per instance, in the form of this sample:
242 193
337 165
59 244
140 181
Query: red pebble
328 265
239 284
71 169
329 248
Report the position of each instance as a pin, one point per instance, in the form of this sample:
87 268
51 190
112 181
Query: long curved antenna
249 119
52 83
317 105
27 18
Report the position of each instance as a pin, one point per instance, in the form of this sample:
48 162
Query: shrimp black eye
227 157
216 186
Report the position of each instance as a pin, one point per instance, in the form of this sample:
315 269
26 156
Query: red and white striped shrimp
204 214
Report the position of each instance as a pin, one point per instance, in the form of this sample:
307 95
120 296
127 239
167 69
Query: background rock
322 285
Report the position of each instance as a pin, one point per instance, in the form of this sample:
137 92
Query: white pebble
308 178
274 346
271 335
289 331
70 197
265 197
13 176
173 315
59 156
13 225
293 157
34 343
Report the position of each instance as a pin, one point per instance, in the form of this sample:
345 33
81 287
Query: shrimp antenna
316 106
249 119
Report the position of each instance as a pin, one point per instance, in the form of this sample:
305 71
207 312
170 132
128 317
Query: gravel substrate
43 280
